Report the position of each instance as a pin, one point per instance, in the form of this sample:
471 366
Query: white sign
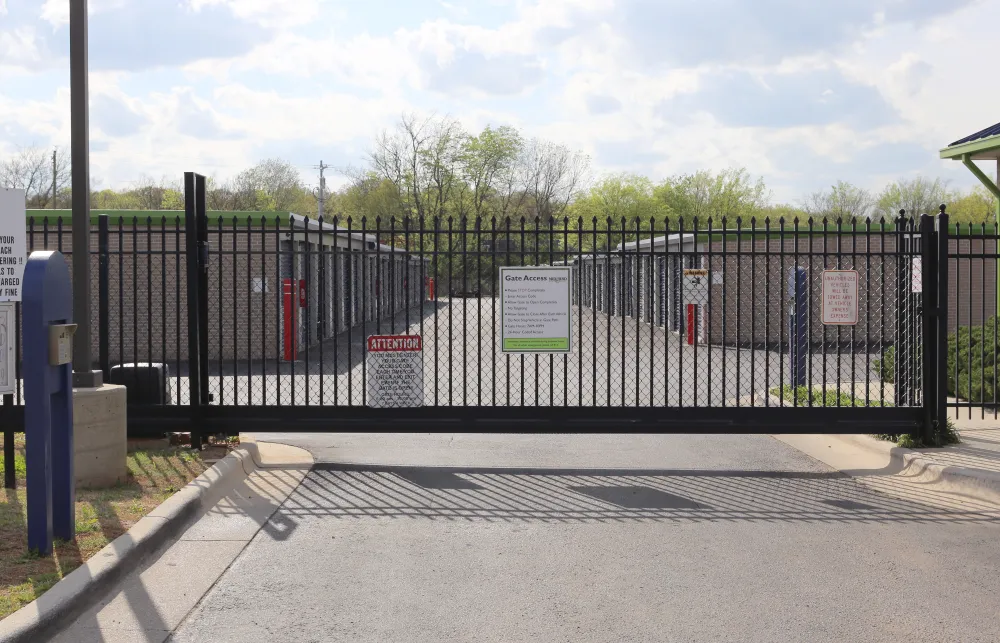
916 274
13 249
259 284
695 286
840 297
395 365
536 310
8 377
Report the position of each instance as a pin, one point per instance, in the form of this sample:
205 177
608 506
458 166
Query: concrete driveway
598 538
617 361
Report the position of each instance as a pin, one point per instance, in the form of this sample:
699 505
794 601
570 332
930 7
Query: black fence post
103 302
798 285
942 320
929 310
200 201
9 474
899 375
193 299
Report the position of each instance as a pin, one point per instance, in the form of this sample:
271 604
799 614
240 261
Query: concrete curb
917 466
87 585
864 457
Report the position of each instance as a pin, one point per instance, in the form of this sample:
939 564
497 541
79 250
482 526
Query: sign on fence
840 297
395 365
8 378
696 286
13 248
916 274
536 310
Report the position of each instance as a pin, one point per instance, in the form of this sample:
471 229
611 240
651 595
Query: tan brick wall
148 292
751 304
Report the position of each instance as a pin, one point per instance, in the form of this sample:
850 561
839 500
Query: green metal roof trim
158 217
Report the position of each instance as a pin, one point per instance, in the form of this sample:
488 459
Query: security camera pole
83 374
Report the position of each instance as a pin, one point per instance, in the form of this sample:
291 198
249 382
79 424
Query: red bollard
288 295
692 323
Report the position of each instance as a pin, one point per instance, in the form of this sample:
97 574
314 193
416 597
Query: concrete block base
100 439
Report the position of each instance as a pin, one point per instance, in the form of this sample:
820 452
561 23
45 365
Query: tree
488 159
551 175
422 158
917 196
842 202
368 195
705 197
619 197
784 212
31 170
272 184
977 206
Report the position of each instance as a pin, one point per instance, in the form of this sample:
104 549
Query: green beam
985 180
975 147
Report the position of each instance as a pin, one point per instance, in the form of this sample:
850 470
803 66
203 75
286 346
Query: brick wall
147 279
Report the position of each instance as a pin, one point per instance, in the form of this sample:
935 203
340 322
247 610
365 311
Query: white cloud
310 78
268 13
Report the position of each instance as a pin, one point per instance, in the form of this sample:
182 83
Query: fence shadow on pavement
601 496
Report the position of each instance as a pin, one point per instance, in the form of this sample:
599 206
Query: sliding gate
778 327
262 321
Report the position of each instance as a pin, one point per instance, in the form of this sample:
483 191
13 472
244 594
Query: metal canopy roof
983 145
992 130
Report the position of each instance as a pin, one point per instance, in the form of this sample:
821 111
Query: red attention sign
394 343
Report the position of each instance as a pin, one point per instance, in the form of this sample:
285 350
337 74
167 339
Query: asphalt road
617 361
598 538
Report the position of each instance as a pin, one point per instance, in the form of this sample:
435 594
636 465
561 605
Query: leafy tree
976 206
705 197
842 202
916 196
487 159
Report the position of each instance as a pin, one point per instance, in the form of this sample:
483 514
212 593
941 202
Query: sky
800 93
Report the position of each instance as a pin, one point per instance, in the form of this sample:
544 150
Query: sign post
536 310
798 331
48 400
395 366
695 291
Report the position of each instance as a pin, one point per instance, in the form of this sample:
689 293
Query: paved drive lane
599 538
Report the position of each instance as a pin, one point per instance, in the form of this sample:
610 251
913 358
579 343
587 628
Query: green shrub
803 395
972 354
972 357
885 368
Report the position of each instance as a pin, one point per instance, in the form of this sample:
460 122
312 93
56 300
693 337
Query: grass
155 472
805 396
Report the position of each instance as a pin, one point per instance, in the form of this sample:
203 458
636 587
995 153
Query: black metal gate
261 321
642 360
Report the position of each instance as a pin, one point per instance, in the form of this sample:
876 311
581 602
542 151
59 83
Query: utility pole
84 375
322 189
53 179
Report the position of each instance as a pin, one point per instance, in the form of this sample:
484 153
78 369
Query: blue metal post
48 404
798 331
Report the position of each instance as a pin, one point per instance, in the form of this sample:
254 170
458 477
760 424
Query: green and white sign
536 310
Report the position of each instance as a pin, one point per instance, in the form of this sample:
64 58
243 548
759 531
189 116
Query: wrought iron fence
264 317
971 361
